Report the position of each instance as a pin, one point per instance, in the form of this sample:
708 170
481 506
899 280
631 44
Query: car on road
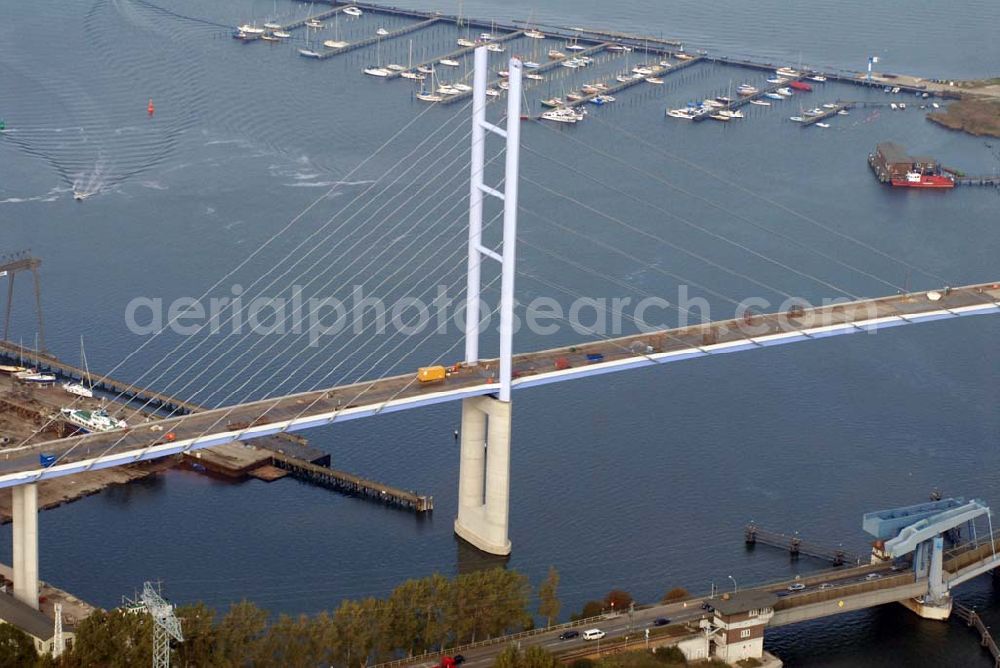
568 635
707 606
825 586
796 586
873 576
661 621
593 634
781 594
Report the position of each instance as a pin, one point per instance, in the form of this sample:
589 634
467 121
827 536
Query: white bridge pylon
484 469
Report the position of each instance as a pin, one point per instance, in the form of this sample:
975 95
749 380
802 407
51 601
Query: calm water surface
642 480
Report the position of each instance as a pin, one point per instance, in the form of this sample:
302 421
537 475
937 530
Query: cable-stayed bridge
484 385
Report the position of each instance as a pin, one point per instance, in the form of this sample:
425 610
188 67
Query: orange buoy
151 109
170 436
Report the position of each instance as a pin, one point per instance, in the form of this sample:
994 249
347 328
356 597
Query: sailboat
80 389
431 96
409 73
378 70
310 51
336 42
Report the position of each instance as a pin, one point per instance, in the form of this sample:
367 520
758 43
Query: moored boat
555 54
534 34
308 53
377 71
449 62
79 389
918 180
800 85
335 44
465 42
761 103
353 11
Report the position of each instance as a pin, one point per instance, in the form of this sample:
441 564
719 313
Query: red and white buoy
151 109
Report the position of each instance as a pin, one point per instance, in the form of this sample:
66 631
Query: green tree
590 609
675 594
111 639
536 657
618 599
16 648
548 599
510 657
199 646
239 634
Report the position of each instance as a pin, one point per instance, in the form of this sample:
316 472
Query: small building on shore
36 624
738 624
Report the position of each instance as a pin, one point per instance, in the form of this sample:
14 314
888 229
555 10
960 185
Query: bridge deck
368 398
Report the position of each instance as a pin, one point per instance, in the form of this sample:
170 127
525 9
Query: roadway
836 584
364 399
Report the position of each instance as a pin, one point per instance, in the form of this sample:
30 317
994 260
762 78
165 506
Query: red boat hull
800 85
926 181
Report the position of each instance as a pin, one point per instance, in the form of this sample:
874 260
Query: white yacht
97 420
353 11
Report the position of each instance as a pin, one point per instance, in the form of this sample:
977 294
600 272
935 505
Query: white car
873 576
593 634
825 586
796 586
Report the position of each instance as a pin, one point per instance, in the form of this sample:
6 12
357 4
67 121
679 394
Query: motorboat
534 34
533 76
815 111
449 62
777 80
761 103
271 25
774 96
555 54
818 77
335 44
494 47
731 113
619 48
530 65
842 112
461 87
822 125
492 92
643 70
784 92
686 114
465 42
281 34
574 95
485 37
377 71
393 67
413 76
269 38
503 74
553 102
92 421
448 89
796 119
353 11
381 32
787 72
425 69
248 29
829 105
313 23
654 80
602 99
666 63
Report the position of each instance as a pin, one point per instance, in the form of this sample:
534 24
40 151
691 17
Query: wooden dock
349 483
620 86
361 43
973 620
827 113
458 53
754 534
287 27
541 69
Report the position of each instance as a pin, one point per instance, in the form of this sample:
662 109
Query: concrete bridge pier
25 526
484 475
